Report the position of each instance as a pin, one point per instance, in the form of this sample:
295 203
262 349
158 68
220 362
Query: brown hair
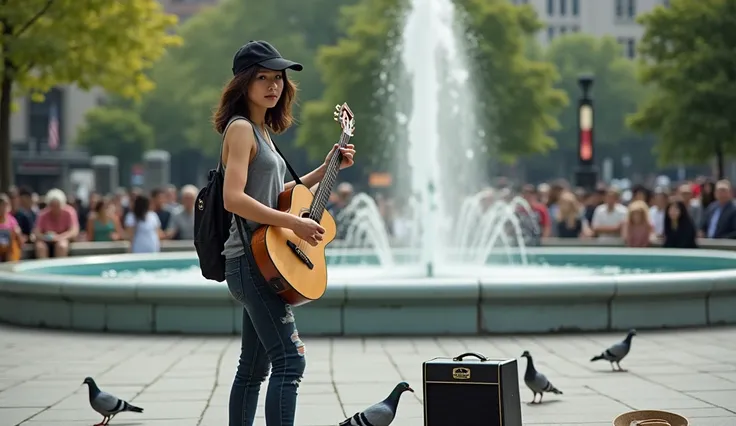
234 101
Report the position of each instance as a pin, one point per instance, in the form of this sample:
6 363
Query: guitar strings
322 197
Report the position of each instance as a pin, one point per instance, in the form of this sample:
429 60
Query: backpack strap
222 147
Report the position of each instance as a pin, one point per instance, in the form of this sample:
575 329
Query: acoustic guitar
294 269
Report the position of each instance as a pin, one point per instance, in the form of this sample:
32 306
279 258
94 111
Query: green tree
117 132
687 56
615 91
189 78
518 100
103 43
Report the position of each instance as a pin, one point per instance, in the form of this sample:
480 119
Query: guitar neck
327 183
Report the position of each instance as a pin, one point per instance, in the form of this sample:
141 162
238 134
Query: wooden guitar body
294 269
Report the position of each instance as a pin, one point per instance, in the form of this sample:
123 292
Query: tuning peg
337 107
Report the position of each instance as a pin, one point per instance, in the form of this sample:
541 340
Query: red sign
586 146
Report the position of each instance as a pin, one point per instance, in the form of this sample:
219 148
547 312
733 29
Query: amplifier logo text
461 373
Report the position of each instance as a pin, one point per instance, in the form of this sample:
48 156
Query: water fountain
476 277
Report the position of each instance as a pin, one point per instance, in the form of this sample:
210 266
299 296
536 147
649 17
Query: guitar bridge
300 254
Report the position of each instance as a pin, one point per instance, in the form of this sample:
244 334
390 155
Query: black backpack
211 226
212 222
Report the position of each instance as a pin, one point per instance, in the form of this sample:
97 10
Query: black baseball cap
261 53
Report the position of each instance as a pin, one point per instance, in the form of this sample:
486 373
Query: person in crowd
592 201
56 227
637 230
11 236
679 229
641 193
658 209
719 219
143 227
707 194
102 223
694 209
609 217
158 205
25 213
181 226
569 220
538 214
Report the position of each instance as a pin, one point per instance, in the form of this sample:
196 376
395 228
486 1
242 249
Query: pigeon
382 413
536 381
106 404
617 352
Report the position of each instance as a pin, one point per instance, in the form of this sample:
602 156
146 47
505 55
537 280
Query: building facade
616 18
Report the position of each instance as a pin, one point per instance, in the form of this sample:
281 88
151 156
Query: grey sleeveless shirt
266 173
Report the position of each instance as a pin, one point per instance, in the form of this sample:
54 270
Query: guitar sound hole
304 214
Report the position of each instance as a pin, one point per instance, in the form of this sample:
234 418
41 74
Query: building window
619 9
563 7
550 33
666 3
575 29
631 48
632 9
39 114
563 30
550 7
575 7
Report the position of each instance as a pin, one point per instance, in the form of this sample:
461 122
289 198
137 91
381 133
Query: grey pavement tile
12 416
180 380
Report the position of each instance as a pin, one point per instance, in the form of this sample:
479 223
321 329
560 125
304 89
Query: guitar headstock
345 117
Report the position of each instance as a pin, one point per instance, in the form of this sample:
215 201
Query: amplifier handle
475 354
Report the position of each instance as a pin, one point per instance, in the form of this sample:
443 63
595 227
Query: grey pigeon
382 413
617 352
106 404
537 381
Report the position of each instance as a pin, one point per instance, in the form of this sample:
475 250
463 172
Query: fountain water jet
433 55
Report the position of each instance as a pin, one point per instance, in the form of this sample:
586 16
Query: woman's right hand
308 230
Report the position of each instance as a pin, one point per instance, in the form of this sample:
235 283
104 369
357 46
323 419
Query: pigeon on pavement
106 404
537 381
382 413
617 352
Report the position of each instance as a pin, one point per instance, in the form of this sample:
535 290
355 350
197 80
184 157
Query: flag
53 130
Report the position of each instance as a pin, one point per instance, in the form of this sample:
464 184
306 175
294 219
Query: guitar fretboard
322 196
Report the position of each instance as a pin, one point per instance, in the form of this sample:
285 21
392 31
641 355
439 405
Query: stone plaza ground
184 381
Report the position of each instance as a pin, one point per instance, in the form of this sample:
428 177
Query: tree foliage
687 56
357 69
522 103
103 43
517 101
189 78
117 132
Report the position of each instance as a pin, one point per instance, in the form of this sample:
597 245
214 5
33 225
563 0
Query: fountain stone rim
644 296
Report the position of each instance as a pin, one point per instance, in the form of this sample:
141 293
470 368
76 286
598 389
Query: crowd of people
669 215
50 223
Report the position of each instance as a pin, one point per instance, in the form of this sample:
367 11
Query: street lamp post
586 175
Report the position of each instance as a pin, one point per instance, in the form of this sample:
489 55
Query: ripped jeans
269 335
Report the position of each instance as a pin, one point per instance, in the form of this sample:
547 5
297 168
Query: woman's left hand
348 153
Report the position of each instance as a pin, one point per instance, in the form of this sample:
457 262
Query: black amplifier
476 391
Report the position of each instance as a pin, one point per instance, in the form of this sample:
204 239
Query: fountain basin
564 289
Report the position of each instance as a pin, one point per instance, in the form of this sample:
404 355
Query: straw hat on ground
650 418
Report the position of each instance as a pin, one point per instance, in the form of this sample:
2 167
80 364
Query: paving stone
186 380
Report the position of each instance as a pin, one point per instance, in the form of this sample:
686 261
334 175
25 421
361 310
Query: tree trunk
720 161
6 98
